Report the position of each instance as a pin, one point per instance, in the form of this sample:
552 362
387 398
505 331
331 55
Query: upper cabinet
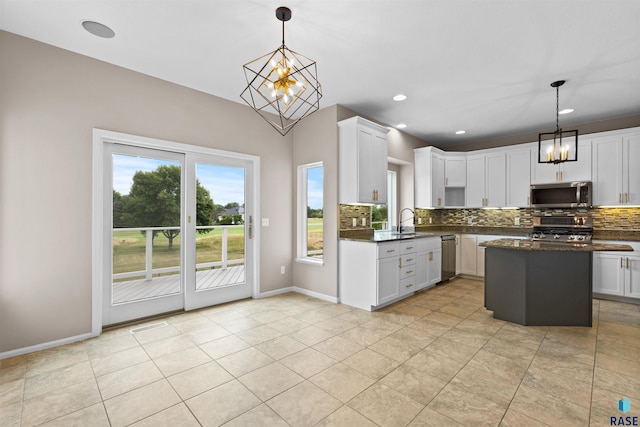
518 177
580 170
362 162
616 175
455 170
486 180
429 175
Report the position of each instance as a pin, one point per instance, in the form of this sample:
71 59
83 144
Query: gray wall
50 100
315 140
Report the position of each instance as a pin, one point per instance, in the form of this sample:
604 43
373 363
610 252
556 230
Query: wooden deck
134 290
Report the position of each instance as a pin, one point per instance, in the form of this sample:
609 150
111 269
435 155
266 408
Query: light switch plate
354 222
364 221
516 220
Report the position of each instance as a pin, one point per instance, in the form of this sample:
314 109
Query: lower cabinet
429 263
371 275
617 273
471 260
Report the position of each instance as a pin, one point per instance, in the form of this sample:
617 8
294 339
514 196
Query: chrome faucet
400 218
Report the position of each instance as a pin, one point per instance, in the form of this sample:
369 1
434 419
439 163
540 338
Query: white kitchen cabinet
579 170
362 161
429 175
518 178
486 180
617 273
429 262
371 275
455 170
472 255
388 285
616 175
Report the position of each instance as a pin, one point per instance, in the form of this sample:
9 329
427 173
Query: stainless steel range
562 229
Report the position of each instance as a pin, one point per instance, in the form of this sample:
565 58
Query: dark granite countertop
622 235
387 236
528 245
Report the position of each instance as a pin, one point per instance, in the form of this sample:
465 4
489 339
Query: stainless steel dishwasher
448 257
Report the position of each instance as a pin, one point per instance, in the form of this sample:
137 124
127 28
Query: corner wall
316 140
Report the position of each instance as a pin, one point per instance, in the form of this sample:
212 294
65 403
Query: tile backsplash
603 218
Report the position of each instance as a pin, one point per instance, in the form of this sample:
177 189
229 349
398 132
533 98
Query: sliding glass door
178 231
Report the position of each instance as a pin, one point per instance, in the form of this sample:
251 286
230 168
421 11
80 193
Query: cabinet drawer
428 243
407 285
387 250
408 271
408 259
408 247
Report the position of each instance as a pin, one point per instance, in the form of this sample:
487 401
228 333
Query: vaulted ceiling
483 66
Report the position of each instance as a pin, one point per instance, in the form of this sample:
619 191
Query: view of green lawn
314 234
129 249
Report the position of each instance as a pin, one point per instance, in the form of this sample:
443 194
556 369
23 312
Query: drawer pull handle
390 250
409 259
411 271
408 286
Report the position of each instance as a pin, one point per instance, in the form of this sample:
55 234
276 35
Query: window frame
302 220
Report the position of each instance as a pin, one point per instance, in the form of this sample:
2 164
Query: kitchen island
539 283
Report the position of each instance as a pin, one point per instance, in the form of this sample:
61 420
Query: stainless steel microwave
562 195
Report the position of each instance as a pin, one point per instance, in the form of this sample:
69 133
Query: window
310 213
383 216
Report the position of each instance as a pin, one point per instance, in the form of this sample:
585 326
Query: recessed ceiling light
566 111
401 126
98 29
461 132
400 97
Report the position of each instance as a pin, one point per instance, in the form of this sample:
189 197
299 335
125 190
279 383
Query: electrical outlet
354 222
282 269
364 221
419 221
469 221
265 222
516 221
430 220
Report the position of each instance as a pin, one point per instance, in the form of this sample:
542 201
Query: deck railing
149 271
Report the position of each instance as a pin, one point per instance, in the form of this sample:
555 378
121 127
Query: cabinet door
631 170
480 253
495 185
475 182
455 171
366 164
388 283
542 173
607 171
437 168
632 276
379 173
434 258
518 178
422 270
608 274
468 260
581 169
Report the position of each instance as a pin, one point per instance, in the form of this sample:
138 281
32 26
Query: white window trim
301 216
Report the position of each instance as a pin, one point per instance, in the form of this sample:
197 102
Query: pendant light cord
557 104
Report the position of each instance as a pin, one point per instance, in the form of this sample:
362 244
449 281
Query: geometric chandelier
558 146
282 86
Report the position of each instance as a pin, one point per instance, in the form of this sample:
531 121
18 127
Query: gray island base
540 285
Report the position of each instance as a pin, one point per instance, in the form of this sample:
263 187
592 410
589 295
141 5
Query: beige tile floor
435 359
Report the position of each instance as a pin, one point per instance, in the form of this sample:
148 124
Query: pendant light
282 86
558 146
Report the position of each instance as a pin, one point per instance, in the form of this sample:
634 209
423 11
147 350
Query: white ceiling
484 66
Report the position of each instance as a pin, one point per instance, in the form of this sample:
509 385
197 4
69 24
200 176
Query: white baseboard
46 345
315 294
275 292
